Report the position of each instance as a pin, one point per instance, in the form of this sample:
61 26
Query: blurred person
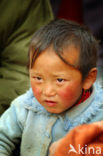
19 19
86 139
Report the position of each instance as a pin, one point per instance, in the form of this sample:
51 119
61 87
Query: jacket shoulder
19 105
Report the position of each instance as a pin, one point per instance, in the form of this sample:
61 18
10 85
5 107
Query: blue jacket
28 120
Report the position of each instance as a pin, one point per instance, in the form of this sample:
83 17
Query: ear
90 79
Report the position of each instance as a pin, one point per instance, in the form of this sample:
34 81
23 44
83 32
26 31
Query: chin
54 111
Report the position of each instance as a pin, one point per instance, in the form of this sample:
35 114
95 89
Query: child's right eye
37 78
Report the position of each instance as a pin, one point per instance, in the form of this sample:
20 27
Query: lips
50 103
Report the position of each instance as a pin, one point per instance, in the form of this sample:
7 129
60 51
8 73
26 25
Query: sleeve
10 131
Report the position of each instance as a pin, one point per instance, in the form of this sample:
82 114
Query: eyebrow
59 74
35 73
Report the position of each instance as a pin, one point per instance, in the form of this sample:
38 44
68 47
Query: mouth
50 103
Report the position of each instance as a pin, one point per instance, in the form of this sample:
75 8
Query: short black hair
60 34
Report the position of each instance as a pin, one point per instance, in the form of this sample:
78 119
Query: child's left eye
60 80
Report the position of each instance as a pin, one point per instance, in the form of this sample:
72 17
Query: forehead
70 57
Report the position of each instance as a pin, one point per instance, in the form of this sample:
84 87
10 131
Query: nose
49 90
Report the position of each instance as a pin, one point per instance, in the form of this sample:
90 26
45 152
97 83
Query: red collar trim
85 95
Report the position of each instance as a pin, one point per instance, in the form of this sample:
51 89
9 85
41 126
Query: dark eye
60 80
38 78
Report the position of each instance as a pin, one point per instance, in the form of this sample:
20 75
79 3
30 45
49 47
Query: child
62 67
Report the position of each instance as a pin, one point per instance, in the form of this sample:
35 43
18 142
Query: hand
53 147
85 136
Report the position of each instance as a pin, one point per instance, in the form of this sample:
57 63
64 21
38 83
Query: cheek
69 94
36 90
65 93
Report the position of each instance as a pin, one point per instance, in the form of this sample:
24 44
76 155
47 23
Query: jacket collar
76 115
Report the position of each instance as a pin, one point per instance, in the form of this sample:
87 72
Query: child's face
56 85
